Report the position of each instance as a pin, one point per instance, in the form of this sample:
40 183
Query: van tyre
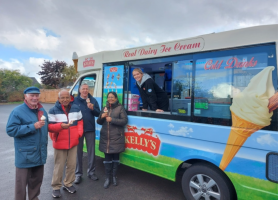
203 181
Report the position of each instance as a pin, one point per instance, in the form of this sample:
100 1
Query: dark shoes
106 183
70 189
93 177
56 193
116 164
114 180
77 179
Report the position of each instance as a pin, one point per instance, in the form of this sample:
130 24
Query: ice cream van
221 126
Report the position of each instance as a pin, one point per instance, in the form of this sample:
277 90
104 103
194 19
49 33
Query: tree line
54 75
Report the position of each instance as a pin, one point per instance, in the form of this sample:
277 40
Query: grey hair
63 90
83 84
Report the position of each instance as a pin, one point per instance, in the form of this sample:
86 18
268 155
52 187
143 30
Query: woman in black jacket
151 94
113 118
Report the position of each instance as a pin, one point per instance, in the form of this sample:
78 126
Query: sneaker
70 189
93 177
77 180
56 193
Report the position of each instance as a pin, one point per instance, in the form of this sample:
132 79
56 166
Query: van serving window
210 80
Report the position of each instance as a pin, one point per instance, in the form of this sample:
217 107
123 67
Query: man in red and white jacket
65 128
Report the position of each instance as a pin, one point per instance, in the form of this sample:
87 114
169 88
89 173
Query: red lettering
165 49
147 52
251 63
196 45
230 62
130 54
177 46
209 65
233 62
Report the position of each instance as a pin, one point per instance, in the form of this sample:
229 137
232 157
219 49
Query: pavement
133 184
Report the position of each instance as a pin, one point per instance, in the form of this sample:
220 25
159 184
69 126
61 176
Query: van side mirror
272 166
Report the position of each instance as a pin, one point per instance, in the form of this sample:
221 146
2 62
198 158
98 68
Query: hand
104 115
39 124
159 110
65 126
108 119
90 106
144 109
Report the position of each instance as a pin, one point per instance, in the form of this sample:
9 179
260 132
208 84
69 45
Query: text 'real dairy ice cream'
252 103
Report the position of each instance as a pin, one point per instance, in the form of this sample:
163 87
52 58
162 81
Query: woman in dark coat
151 94
113 118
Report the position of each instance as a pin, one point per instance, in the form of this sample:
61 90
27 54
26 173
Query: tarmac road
133 184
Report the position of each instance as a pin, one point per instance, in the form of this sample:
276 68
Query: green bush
15 96
12 84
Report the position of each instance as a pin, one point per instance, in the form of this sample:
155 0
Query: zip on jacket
110 110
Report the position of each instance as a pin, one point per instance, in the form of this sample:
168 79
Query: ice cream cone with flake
250 112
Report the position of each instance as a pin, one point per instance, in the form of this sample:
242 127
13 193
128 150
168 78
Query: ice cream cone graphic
251 111
241 130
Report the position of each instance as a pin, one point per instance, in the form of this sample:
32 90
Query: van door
90 80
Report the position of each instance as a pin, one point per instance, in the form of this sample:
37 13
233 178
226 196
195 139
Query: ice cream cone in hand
105 110
43 118
251 111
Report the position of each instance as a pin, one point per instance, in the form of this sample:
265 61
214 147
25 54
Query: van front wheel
203 181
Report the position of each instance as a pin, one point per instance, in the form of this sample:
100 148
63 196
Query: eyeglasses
111 98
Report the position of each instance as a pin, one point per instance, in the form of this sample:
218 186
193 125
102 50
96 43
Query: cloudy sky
32 31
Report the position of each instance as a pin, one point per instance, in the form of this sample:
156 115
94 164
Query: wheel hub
204 187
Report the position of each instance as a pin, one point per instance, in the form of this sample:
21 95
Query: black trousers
111 156
31 177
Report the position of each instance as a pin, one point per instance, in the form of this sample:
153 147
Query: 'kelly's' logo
89 62
144 142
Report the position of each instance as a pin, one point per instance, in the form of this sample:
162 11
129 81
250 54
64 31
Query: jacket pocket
120 131
28 155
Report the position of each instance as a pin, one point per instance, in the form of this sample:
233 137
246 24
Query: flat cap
32 90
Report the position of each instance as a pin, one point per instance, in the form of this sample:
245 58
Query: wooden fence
49 96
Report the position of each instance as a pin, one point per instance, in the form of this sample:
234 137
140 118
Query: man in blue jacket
90 109
28 124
